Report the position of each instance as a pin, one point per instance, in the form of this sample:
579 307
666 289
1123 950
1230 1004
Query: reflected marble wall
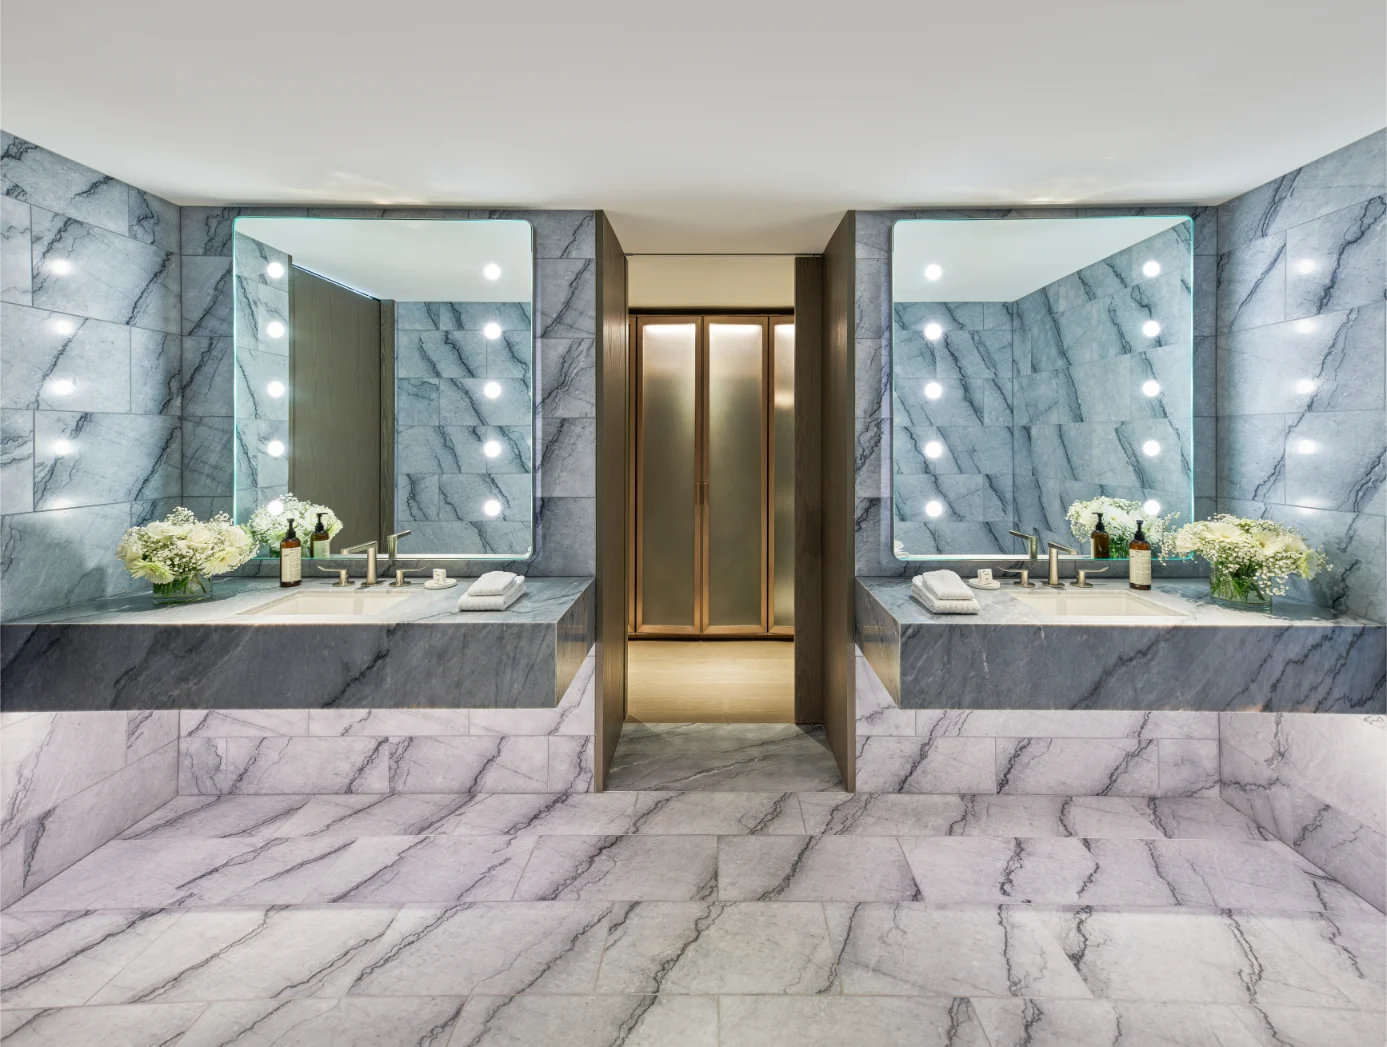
1302 352
90 374
261 358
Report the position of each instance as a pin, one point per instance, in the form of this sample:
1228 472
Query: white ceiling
407 261
724 126
1005 260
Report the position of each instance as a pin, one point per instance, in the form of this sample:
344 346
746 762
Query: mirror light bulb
274 270
1151 387
492 331
1305 386
1150 328
62 446
933 449
491 507
63 326
275 508
933 272
1305 265
60 267
1151 507
1151 448
933 508
934 390
275 448
1307 446
62 386
1305 326
1151 268
492 448
275 329
491 390
933 331
492 271
275 389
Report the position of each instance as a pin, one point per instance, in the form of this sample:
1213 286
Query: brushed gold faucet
1055 549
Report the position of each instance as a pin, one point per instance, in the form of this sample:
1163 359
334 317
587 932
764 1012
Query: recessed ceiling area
725 128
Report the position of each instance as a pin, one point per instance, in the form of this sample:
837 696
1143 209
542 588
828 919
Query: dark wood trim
387 419
809 628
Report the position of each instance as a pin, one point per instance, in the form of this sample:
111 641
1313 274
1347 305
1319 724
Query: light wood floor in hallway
711 681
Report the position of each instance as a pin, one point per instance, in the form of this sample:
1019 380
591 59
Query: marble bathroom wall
1302 353
378 751
457 447
90 374
71 781
1315 782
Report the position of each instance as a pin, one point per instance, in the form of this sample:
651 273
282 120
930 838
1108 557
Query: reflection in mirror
385 378
1041 372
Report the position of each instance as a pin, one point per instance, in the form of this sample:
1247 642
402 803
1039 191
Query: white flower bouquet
1250 560
270 522
180 553
1120 516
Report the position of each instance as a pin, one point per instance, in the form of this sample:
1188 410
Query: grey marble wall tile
440 354
52 756
560 234
208 230
67 556
566 532
35 175
257 373
82 269
16 263
514 446
62 362
465 401
283 765
1252 458
567 298
462 316
872 298
208 446
147 731
959 402
208 377
1252 284
1188 767
1337 261
207 296
872 379
568 371
871 453
416 496
1357 549
416 403
511 356
156 383
1205 298
92 459
16 462
1338 461
462 496
972 497
251 260
961 449
153 220
568 458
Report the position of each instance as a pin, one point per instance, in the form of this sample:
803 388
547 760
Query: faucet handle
1032 544
1024 579
341 573
1083 582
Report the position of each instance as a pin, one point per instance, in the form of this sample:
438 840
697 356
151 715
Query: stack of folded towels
943 592
493 591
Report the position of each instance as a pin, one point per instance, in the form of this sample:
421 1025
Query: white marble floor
692 919
725 757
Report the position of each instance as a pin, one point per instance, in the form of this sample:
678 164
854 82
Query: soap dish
447 583
994 584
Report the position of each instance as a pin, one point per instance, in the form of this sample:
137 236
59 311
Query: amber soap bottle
1102 541
1139 560
290 559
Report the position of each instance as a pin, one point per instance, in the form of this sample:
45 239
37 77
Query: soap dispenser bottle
1139 560
320 542
290 559
1102 541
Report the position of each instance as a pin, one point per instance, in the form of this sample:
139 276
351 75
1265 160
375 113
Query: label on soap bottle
291 564
1139 568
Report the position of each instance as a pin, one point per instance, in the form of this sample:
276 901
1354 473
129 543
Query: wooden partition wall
809 533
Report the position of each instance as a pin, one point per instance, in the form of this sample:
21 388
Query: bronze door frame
769 438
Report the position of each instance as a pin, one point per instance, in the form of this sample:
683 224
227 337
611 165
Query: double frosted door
704 472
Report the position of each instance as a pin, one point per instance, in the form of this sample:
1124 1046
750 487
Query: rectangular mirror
385 373
1039 365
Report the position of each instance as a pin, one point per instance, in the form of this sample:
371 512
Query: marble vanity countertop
1208 656
421 652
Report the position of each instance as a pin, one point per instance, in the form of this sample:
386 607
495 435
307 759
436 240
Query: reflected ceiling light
1151 448
1305 265
275 329
275 389
62 446
1151 328
933 508
492 331
492 271
933 449
491 390
933 390
1151 268
275 507
275 448
62 503
1305 386
492 448
933 331
274 270
1151 507
491 507
60 267
1151 387
62 387
1305 326
1307 446
933 271
63 326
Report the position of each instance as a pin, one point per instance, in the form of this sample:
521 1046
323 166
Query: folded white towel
923 596
493 583
943 585
499 602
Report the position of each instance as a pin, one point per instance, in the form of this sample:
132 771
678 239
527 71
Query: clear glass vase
188 589
1240 589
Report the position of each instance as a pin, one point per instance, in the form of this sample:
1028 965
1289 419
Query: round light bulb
933 449
62 446
491 390
60 267
62 386
1305 386
1151 328
1151 448
1305 326
492 271
933 390
1151 387
492 331
1305 265
274 270
1151 507
275 389
933 331
1307 446
1151 268
275 448
275 507
492 448
933 272
63 326
275 329
933 508
491 507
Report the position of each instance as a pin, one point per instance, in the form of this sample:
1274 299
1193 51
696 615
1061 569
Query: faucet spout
1032 544
1054 551
369 548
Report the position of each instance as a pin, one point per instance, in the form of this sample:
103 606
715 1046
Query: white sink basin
1106 604
356 604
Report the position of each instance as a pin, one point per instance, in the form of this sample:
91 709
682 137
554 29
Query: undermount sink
356 604
1106 604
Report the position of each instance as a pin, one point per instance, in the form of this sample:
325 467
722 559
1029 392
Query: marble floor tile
146 1025
423 870
621 868
814 868
220 817
923 950
589 1021
484 947
386 814
881 814
1350 948
718 947
717 814
772 1021
426 1021
541 814
723 757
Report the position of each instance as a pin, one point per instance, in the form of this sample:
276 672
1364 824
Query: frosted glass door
782 475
